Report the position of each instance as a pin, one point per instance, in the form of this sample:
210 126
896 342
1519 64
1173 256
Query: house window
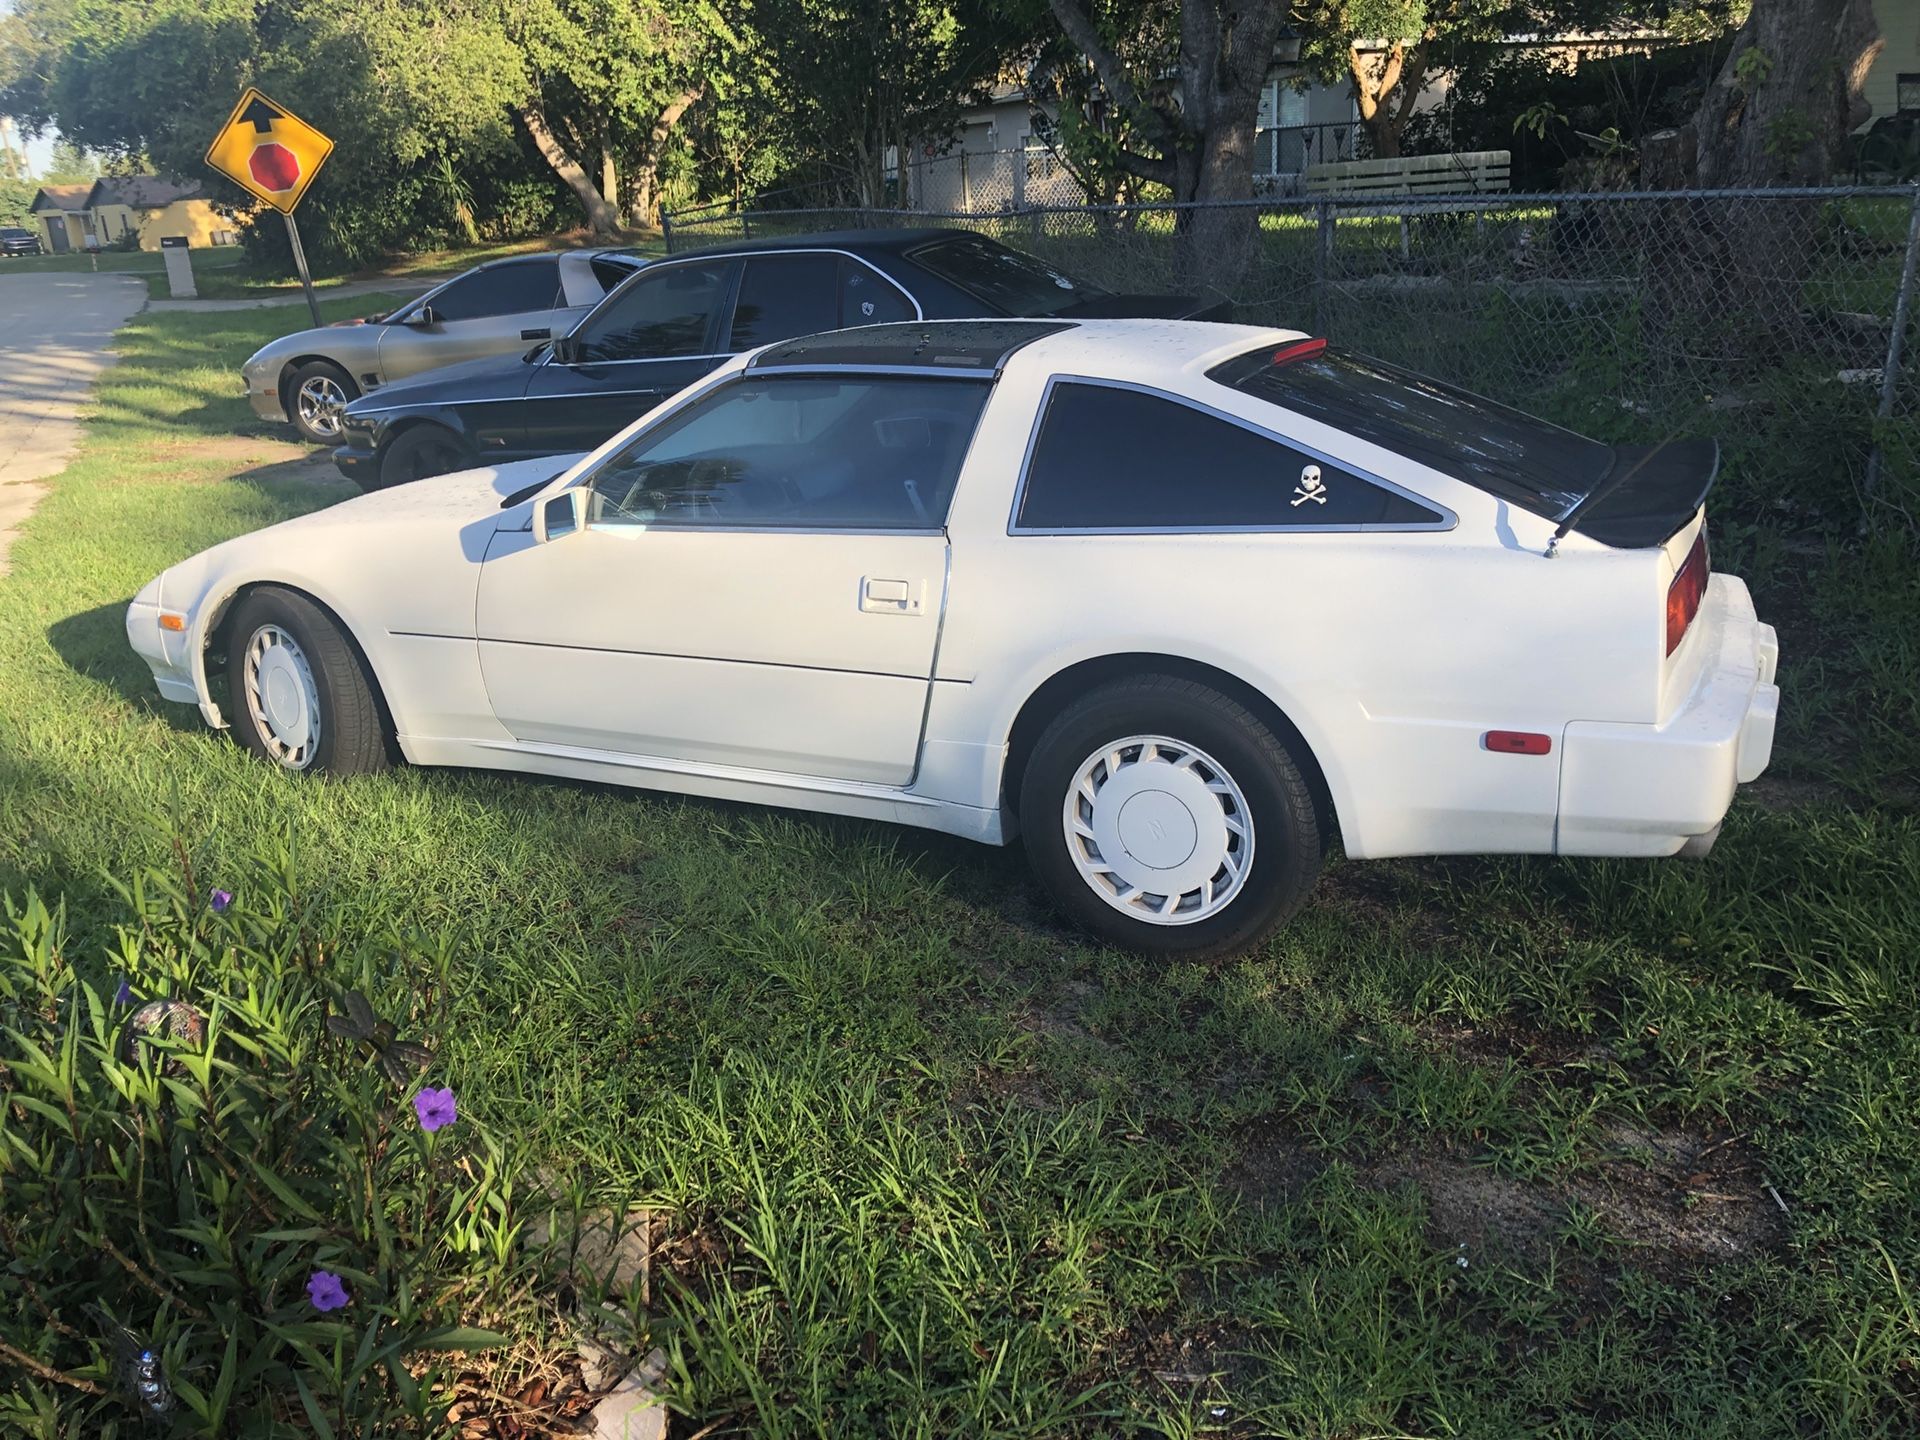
1906 93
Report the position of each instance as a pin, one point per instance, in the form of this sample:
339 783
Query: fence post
666 228
1322 258
1896 342
966 185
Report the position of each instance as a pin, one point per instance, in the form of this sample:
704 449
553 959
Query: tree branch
1085 35
47 1372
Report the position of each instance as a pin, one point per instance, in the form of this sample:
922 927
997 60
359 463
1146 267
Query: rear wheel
1166 818
423 451
316 394
300 694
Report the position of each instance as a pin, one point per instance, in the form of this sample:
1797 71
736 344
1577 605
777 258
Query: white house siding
1900 26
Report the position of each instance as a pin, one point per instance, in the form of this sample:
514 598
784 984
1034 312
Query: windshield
1530 462
1011 282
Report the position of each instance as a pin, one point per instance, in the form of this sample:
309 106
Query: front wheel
1166 818
317 394
423 451
299 692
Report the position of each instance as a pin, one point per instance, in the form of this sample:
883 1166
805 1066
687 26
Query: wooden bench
1472 172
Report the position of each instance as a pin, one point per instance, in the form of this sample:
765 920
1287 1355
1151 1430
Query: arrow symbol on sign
261 114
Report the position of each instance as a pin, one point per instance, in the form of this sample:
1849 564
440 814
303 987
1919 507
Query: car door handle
541 334
889 597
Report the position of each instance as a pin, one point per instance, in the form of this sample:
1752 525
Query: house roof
142 192
61 197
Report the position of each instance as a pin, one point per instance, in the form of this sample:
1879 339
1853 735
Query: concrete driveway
54 330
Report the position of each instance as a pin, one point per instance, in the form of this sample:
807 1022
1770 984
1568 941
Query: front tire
300 694
1166 818
423 451
316 395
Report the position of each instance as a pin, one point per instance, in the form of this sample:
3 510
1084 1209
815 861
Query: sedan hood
494 377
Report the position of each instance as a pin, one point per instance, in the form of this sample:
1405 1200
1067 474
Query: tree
1789 94
1197 137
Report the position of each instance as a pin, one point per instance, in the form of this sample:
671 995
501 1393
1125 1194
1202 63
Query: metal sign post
300 260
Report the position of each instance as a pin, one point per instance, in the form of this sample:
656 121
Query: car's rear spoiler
1648 494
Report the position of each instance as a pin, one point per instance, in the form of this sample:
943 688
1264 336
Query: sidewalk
396 286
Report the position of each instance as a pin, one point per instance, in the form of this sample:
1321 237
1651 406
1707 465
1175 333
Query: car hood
454 500
494 377
354 346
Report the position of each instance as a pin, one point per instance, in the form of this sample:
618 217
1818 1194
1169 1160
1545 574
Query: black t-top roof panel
967 347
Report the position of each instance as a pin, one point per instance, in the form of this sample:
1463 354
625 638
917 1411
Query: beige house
106 211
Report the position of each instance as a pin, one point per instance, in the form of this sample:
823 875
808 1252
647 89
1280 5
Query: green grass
935 1166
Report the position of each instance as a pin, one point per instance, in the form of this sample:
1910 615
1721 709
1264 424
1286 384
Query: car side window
1109 458
869 298
666 312
515 288
794 452
782 296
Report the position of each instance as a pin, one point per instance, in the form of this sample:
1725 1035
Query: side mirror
560 515
565 351
422 318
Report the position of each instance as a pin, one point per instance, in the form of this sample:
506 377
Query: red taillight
1298 350
1689 588
1517 742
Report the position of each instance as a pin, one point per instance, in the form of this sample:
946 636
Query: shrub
219 1197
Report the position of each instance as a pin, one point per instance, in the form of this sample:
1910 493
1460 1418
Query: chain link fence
1776 320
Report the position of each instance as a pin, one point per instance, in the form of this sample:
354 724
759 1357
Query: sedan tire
299 692
316 394
421 452
1165 818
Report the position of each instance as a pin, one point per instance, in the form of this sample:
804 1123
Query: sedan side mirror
560 515
423 318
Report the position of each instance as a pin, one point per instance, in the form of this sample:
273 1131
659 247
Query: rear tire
422 452
299 692
1157 781
316 394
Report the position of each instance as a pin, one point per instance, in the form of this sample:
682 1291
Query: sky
39 152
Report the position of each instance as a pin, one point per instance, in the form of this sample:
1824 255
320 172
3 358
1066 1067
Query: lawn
223 273
1484 1148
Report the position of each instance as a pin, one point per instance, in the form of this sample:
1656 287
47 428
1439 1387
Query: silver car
494 309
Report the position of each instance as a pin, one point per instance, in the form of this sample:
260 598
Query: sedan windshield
1011 282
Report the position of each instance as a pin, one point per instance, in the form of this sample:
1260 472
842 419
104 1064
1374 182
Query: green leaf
283 1192
456 1337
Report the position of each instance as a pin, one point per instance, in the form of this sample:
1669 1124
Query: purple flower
124 994
326 1291
220 900
435 1108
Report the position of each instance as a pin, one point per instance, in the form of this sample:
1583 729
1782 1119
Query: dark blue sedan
679 318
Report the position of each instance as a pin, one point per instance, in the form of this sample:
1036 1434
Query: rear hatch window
1535 465
1642 494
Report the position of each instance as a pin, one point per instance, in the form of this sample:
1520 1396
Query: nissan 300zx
1179 604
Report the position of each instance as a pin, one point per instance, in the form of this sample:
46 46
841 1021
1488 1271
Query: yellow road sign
269 150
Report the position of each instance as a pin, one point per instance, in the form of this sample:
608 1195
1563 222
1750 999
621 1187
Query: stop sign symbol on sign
274 166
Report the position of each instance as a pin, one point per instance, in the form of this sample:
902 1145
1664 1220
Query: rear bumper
1649 789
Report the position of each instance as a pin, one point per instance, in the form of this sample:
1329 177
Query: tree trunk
643 200
1224 58
609 178
1781 108
602 218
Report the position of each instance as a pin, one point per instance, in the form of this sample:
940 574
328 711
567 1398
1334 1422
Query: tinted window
869 298
667 312
510 289
785 295
1536 465
1008 281
864 452
1112 459
611 270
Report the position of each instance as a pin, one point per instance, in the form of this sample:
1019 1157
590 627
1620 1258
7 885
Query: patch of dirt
1669 1198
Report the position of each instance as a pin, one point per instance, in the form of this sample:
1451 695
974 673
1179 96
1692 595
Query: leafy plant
221 1211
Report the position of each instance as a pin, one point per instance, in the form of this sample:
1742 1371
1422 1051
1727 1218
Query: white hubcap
281 697
1159 830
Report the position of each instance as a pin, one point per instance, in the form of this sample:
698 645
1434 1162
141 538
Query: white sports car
1177 602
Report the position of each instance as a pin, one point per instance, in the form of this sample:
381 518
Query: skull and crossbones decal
1311 487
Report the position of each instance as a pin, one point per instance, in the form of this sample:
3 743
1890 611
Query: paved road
54 331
